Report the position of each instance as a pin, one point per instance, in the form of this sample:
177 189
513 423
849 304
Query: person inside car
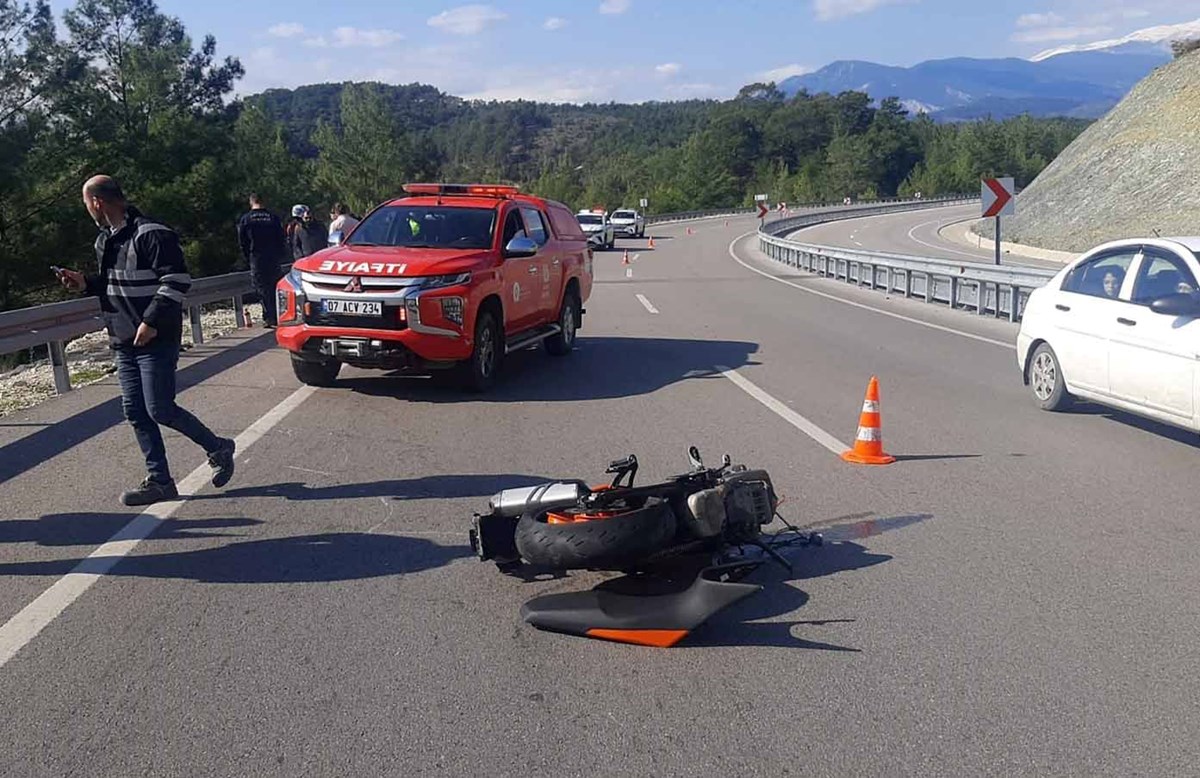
1112 282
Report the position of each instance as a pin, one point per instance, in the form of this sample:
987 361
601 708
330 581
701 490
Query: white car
598 228
629 223
1119 326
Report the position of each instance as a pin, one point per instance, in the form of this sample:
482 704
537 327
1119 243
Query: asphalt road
1015 596
917 233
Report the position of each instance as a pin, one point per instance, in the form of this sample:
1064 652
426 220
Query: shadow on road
1176 434
54 439
442 487
344 556
93 529
601 368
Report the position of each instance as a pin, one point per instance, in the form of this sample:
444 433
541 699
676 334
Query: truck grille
389 320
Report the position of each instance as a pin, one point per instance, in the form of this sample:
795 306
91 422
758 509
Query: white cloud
1058 34
555 23
669 69
467 19
781 73
615 6
828 10
286 30
1039 20
352 37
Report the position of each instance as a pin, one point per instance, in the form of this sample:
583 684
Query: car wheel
479 372
1046 380
316 373
568 321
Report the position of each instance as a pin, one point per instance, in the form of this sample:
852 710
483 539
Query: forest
120 87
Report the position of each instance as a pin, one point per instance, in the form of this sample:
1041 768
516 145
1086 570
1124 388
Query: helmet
298 211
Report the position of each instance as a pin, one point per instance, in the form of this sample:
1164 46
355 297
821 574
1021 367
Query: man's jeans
264 276
147 377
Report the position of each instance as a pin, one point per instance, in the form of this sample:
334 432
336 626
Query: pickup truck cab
450 276
629 223
597 227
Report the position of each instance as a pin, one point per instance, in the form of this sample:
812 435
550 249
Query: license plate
353 307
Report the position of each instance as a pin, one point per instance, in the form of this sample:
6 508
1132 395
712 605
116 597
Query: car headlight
289 299
437 282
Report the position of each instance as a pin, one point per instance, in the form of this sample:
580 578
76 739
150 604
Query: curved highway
1016 595
918 233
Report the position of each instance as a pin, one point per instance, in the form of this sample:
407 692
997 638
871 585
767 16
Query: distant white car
628 223
1120 326
598 228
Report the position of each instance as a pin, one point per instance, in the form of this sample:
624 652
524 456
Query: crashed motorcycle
702 522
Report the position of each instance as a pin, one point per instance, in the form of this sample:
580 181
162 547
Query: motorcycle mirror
694 456
726 461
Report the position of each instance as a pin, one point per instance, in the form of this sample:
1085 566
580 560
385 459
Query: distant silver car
628 223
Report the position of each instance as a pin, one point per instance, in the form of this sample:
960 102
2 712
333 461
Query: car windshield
590 218
623 215
436 227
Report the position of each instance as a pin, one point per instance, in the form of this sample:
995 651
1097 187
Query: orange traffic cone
689 230
625 259
651 242
868 445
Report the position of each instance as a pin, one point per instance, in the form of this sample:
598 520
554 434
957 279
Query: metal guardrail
664 218
998 290
54 324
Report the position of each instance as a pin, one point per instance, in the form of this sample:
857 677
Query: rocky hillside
1135 171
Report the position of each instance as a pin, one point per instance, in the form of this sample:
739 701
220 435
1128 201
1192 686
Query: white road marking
629 272
642 299
787 414
873 309
973 255
37 615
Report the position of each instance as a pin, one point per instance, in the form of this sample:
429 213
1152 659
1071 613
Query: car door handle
1063 307
555 263
1127 322
533 271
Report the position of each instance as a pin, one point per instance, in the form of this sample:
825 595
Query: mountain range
1079 81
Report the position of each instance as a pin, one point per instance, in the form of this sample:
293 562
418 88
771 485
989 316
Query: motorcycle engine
736 508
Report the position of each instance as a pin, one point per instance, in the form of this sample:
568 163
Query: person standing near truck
142 284
264 247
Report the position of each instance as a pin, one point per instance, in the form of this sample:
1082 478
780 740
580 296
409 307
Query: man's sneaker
221 461
150 492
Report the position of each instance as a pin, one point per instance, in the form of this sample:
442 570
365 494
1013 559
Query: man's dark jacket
309 238
261 238
142 278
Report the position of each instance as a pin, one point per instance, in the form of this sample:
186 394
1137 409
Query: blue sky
633 50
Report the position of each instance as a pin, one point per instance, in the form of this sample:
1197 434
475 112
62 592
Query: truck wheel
479 372
316 373
568 322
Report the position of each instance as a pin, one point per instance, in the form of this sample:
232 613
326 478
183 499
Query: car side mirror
335 238
520 246
1177 305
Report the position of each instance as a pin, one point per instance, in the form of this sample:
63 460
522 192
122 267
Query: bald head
104 200
104 188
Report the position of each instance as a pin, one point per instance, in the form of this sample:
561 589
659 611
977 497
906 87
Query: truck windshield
434 227
589 218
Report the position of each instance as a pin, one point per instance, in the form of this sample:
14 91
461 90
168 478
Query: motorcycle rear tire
611 543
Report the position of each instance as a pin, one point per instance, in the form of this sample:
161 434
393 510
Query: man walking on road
264 246
142 285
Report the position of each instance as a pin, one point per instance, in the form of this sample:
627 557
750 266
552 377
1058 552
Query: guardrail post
58 359
908 285
197 324
239 312
929 287
891 283
981 302
1014 302
953 292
